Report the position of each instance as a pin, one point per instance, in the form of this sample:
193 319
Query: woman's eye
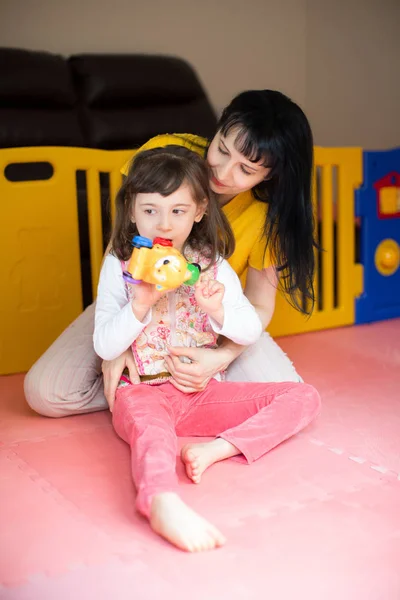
149 211
222 151
177 211
245 171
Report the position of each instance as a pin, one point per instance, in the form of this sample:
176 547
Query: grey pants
67 379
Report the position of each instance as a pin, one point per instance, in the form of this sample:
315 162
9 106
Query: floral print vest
177 320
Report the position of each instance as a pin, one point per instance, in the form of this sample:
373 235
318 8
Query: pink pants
254 417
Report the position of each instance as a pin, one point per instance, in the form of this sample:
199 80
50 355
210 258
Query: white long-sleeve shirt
116 326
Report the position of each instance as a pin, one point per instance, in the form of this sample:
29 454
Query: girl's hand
146 295
209 294
112 371
194 377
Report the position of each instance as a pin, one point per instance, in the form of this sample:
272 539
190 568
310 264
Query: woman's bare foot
171 518
198 457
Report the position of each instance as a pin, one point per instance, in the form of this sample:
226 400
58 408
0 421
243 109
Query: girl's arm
116 324
241 323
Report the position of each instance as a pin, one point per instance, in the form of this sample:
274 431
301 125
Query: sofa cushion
37 100
34 80
124 129
30 127
124 100
133 81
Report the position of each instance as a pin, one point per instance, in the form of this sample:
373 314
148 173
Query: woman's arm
112 371
260 290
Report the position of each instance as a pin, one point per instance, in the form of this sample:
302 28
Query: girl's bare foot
172 519
198 457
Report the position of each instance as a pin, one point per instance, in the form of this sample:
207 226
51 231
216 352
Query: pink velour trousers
254 417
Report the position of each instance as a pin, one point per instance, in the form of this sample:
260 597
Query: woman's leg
248 418
144 417
67 379
263 361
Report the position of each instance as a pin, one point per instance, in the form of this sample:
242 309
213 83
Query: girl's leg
262 361
67 379
248 418
145 419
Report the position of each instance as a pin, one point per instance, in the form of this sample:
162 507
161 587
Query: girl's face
232 172
170 217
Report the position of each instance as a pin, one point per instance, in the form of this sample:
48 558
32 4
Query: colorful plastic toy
159 263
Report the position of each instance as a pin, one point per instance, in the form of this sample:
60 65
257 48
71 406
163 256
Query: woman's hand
112 371
194 377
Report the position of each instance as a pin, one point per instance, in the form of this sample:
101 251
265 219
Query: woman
261 167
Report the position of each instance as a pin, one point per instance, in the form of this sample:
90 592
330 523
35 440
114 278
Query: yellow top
246 215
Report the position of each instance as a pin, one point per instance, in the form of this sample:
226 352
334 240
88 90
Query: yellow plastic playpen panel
338 172
39 244
40 267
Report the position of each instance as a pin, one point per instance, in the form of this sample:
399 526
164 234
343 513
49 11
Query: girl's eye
149 211
177 211
222 151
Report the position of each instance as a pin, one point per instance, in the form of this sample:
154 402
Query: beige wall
231 43
337 58
353 72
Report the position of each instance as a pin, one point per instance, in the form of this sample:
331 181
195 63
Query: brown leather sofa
108 101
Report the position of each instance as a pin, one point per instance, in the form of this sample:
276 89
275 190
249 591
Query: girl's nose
164 224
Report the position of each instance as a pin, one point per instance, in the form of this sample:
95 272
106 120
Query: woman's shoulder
244 208
246 201
257 206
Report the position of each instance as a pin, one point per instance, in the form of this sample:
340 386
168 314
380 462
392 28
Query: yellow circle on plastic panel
387 257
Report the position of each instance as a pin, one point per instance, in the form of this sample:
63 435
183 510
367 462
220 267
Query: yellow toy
159 263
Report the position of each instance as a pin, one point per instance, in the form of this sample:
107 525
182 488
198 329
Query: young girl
166 194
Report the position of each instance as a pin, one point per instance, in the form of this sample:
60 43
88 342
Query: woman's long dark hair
163 171
275 130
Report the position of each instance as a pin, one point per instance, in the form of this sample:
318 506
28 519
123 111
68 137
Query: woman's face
232 172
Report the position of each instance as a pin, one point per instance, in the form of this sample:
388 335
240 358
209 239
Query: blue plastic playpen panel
381 296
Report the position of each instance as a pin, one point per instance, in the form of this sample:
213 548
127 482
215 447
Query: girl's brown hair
163 171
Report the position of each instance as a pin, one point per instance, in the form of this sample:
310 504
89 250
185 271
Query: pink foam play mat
318 518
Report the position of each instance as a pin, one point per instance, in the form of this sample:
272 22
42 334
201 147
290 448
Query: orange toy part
159 263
